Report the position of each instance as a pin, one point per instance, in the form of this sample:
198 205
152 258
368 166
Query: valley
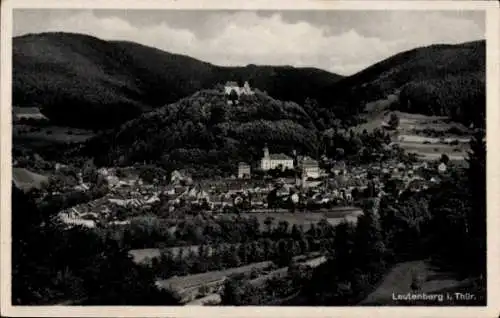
256 185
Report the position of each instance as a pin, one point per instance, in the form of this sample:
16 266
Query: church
272 161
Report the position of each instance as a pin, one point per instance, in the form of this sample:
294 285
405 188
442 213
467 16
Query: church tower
266 152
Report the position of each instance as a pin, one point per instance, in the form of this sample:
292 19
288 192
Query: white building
273 161
19 113
310 168
244 170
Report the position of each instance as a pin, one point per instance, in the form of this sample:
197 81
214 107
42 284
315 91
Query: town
290 191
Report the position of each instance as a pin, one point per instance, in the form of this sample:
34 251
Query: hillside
82 81
203 131
437 80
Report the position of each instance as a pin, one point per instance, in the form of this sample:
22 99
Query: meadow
49 134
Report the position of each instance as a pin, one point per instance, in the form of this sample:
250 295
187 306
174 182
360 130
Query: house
338 168
310 168
315 262
273 161
19 113
243 170
442 167
73 217
177 178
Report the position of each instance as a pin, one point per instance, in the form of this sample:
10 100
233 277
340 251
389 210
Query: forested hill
435 80
80 80
204 132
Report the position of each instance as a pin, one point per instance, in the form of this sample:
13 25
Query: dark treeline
462 98
51 265
150 231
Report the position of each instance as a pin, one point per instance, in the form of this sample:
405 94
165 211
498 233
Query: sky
343 42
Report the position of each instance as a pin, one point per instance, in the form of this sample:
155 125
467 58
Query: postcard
250 159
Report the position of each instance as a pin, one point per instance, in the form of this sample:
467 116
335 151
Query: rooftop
310 162
279 156
26 110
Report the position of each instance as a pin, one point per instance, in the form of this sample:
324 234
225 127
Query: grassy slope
410 137
399 279
26 180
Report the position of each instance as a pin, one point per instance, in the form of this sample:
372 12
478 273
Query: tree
393 121
218 114
444 159
284 254
269 224
477 192
232 293
369 247
339 153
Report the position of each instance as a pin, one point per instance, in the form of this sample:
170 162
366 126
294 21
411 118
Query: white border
493 162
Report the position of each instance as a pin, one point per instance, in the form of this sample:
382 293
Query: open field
431 140
55 134
434 151
411 134
437 156
399 279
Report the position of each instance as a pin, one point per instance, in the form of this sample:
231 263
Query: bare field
434 148
432 140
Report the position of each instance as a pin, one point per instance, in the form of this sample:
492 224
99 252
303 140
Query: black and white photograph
247 157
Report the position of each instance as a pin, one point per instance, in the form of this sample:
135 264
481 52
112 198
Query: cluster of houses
126 192
337 189
23 113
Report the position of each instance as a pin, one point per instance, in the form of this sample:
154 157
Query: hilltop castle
233 86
